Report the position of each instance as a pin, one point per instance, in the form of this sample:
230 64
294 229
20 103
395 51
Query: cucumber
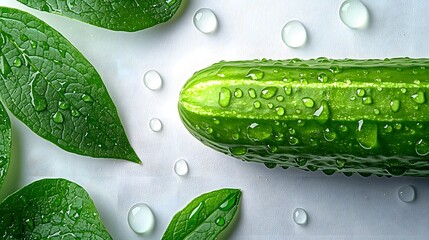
350 116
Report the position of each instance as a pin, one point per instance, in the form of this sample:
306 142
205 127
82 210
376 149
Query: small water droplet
367 100
270 105
87 98
329 135
155 124
294 34
292 131
280 98
152 80
288 90
416 81
340 163
293 141
257 104
376 111
268 92
141 219
300 216
422 147
395 104
205 20
75 113
308 102
312 168
255 74
17 62
239 151
238 93
419 97
63 105
343 128
209 130
280 111
403 90
58 117
216 121
407 193
328 171
354 14
252 93
220 221
224 97
367 135
301 161
398 126
270 165
360 92
181 167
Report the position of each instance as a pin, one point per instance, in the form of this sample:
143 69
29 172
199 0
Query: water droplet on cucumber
268 92
367 100
419 97
239 151
257 104
322 77
395 104
238 93
252 93
360 92
329 135
280 111
255 74
308 102
257 132
422 147
367 135
224 97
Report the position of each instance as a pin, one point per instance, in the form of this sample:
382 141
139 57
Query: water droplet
58 117
238 150
256 132
87 98
322 77
300 216
294 34
293 141
205 20
360 92
328 171
343 128
416 81
257 104
17 62
376 111
229 203
422 147
255 74
329 135
367 135
155 124
398 126
209 130
238 93
335 69
407 193
33 44
216 121
395 104
354 14
419 97
280 98
280 111
270 165
396 170
340 163
388 128
152 80
312 168
181 167
75 113
224 97
268 92
252 93
292 131
367 100
63 105
301 161
288 90
308 102
141 218
270 105
220 221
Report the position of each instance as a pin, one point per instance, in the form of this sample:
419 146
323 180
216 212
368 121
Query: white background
338 207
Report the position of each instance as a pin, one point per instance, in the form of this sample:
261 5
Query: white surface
337 207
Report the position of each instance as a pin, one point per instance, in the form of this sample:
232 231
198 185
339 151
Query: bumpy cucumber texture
349 116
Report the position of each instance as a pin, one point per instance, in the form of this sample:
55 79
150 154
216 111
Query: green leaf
51 208
125 15
48 85
205 217
5 143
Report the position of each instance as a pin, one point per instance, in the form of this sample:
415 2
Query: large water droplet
395 104
367 100
229 203
257 104
367 135
155 124
268 92
256 132
255 74
152 80
419 97
422 147
205 20
141 219
322 77
360 92
294 34
407 193
300 216
181 167
252 93
58 117
280 111
308 102
220 221
225 97
354 14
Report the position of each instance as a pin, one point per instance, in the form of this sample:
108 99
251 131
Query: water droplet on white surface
205 20
300 216
294 34
181 167
354 14
152 80
407 193
155 124
141 218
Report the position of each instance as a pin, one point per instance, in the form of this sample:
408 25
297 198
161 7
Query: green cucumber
349 116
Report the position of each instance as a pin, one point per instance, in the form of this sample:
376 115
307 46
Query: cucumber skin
351 135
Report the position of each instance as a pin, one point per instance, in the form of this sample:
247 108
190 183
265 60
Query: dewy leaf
48 85
204 217
5 143
51 208
125 15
